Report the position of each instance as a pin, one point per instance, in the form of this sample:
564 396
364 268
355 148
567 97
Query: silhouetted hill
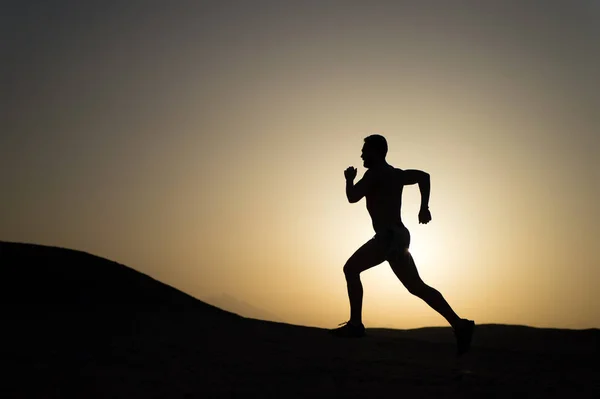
58 277
76 325
242 308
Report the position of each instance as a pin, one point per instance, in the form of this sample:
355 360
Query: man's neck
380 165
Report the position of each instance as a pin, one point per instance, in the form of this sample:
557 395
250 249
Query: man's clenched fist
424 216
350 173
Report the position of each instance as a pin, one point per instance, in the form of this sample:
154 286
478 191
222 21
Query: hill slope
231 304
76 325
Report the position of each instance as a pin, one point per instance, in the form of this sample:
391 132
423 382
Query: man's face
367 156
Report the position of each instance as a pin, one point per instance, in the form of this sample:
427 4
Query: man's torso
384 199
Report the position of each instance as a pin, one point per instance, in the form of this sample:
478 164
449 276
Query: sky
204 142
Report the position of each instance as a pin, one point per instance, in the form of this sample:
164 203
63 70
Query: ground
66 334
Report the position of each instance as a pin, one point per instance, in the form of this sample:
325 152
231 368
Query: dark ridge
234 305
60 278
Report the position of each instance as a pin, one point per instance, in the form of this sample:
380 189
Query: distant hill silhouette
57 277
76 325
239 307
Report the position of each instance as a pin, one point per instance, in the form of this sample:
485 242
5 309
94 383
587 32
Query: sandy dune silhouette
76 325
242 308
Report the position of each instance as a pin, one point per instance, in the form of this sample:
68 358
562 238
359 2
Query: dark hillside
76 325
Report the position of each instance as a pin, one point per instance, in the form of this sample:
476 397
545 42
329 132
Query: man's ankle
457 323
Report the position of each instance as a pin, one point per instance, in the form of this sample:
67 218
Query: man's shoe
349 330
464 335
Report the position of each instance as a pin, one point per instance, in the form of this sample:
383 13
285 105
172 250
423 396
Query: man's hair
378 143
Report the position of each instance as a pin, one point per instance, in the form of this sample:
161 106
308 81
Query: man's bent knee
351 272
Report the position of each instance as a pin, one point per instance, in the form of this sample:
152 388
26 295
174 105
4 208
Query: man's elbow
353 198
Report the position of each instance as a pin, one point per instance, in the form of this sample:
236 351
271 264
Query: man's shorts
395 239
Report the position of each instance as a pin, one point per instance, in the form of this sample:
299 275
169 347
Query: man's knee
350 271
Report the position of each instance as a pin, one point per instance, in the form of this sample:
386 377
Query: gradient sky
204 143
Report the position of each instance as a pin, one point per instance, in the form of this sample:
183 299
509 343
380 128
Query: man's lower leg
463 329
355 295
436 300
354 327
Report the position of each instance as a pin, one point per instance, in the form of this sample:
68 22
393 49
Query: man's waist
388 227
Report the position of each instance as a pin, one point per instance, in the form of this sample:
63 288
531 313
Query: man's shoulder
397 171
384 174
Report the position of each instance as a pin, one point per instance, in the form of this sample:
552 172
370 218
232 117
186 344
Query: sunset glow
204 144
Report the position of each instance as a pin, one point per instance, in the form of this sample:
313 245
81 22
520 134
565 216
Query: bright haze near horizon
204 142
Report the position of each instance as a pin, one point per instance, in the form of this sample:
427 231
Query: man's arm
421 178
355 192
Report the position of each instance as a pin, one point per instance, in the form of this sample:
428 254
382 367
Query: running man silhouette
382 186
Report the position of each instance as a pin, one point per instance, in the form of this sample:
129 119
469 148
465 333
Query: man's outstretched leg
369 255
406 270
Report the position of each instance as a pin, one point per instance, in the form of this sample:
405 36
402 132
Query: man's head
374 150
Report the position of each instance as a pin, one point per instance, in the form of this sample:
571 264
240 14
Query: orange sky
204 144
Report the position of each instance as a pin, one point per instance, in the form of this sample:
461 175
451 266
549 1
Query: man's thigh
371 253
405 269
